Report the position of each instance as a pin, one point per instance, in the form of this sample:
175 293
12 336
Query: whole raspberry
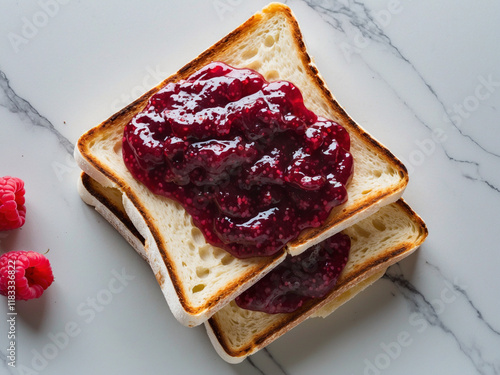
12 209
31 272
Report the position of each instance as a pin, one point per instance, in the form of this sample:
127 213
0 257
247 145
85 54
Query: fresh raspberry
12 209
32 273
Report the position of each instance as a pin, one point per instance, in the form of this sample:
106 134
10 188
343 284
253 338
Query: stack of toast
200 281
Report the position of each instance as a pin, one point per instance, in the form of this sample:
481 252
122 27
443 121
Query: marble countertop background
423 77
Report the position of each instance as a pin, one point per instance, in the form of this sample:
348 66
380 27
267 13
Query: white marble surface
421 76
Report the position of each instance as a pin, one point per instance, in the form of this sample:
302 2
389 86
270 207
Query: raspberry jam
245 157
298 279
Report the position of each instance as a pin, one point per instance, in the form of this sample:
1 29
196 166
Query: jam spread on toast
299 279
245 157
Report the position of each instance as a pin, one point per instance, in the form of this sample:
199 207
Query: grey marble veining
423 308
345 15
462 291
14 103
443 304
265 363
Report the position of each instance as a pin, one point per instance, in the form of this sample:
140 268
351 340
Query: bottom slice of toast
377 242
384 238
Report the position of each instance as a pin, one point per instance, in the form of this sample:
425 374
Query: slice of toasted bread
377 242
382 239
198 279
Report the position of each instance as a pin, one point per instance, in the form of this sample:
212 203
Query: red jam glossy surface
298 279
246 159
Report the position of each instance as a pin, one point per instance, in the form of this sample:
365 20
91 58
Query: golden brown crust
121 118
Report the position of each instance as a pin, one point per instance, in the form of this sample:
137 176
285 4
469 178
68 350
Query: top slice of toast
196 278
